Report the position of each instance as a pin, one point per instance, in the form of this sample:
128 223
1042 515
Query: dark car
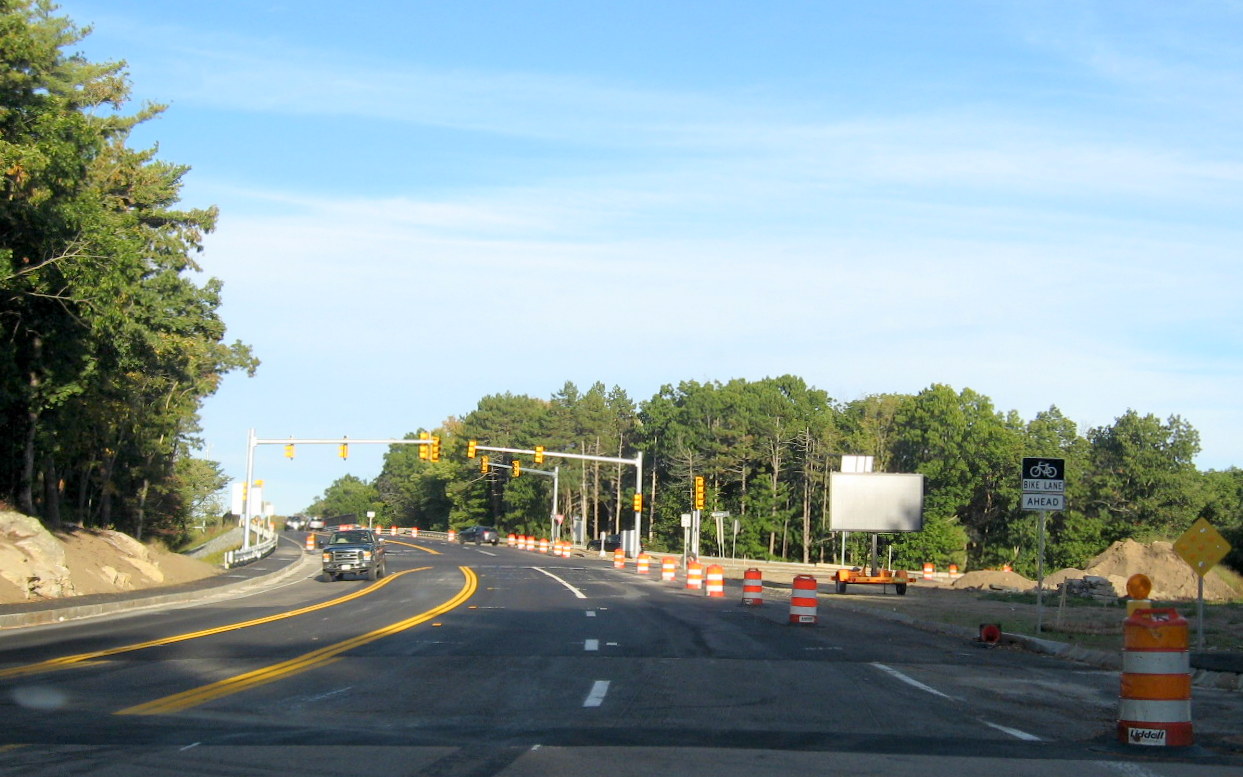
479 535
611 542
354 552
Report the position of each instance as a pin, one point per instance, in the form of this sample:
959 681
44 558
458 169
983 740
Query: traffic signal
638 503
289 451
344 450
699 492
425 451
516 468
539 454
483 464
436 448
470 449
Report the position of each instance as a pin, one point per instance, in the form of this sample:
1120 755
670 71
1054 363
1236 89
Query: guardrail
266 544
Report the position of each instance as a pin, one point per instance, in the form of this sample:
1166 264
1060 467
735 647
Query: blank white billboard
876 502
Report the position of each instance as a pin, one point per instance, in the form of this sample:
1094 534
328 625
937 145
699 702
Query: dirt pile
1172 578
993 580
37 564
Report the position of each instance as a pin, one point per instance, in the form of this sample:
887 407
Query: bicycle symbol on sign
1043 469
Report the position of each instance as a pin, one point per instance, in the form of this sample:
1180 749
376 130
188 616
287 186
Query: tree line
766 449
107 344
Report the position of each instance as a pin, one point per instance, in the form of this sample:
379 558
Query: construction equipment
899 579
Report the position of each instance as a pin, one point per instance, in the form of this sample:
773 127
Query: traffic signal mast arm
637 461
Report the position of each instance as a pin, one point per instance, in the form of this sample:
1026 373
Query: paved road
492 661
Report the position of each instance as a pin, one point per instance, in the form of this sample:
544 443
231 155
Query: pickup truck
354 552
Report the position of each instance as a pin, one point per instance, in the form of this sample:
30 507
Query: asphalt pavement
1211 670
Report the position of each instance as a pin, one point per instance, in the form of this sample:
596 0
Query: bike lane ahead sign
1044 484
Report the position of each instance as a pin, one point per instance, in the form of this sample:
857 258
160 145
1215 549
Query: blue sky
423 203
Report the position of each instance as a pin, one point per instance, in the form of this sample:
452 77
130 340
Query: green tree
347 497
106 346
1143 483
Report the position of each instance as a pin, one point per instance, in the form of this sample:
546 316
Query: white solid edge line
577 592
911 681
598 691
1014 732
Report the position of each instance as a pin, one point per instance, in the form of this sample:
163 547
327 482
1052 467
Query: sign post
1044 490
1202 547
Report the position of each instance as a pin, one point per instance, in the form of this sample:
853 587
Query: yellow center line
64 662
416 547
316 658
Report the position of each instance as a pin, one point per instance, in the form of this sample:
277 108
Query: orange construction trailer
899 579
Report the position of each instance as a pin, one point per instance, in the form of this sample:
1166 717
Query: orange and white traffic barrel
543 544
929 570
668 569
414 532
694 575
530 542
954 572
753 587
452 536
715 582
619 559
310 541
1154 707
511 540
643 564
803 600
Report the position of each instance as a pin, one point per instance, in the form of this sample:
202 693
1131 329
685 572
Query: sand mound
990 579
1171 577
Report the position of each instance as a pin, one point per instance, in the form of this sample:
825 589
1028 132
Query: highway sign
1050 501
1043 469
1202 547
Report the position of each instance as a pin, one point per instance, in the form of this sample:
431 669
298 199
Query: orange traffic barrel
1154 706
619 559
953 571
753 586
414 532
716 580
543 544
668 569
452 535
803 600
511 540
643 564
929 570
694 575
310 541
530 542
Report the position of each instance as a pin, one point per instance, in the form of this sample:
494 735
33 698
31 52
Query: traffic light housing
344 450
516 468
638 503
435 447
470 449
425 451
483 464
539 454
289 451
699 492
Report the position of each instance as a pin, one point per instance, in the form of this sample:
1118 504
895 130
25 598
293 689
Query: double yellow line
63 662
302 663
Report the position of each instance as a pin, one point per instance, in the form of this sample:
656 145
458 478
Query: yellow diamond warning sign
1201 547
